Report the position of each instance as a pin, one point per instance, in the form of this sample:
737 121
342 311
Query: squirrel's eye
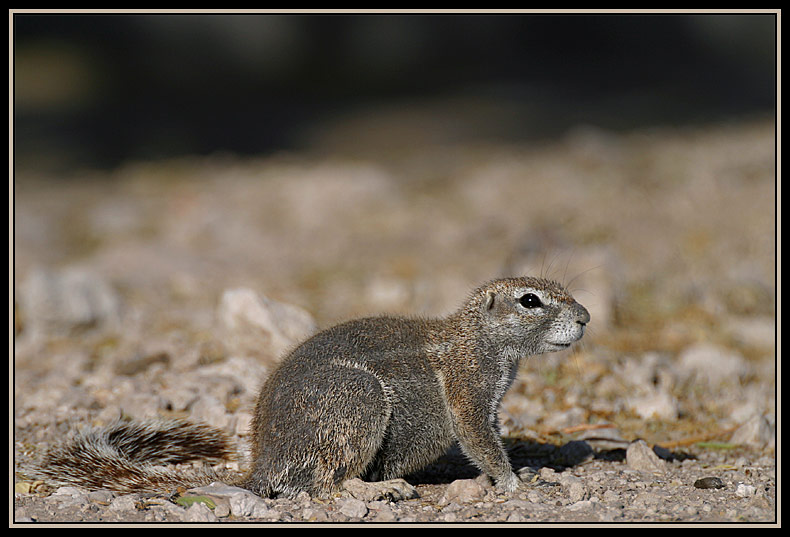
530 301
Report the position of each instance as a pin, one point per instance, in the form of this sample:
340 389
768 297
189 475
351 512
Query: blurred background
342 165
98 90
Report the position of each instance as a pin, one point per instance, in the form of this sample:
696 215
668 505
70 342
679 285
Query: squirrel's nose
582 315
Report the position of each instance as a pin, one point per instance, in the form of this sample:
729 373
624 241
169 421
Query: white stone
745 491
353 508
254 320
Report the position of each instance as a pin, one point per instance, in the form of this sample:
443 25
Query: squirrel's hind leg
317 433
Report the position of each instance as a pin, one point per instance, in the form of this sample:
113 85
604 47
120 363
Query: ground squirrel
375 398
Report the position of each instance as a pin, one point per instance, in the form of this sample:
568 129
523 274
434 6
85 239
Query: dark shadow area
527 457
98 90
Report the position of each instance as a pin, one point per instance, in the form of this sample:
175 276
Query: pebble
756 432
381 512
199 512
516 504
69 491
745 491
248 504
352 508
463 491
516 517
218 489
101 496
312 514
577 491
246 316
548 474
127 502
535 497
70 496
709 483
579 505
640 457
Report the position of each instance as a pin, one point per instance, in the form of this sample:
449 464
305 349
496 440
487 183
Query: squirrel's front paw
393 490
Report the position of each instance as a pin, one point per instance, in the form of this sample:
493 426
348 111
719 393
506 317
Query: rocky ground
171 289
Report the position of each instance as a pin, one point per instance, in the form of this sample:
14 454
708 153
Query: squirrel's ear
489 303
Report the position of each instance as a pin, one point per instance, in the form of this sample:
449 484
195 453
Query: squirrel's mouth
561 345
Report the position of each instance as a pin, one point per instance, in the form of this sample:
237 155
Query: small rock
246 317
69 496
247 504
577 492
574 487
381 512
709 483
745 491
577 506
101 496
640 457
127 502
353 508
548 474
535 497
515 503
69 491
515 517
303 498
463 491
221 490
315 515
199 512
756 432
449 517
222 508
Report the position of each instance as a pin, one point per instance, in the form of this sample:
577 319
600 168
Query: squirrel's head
529 315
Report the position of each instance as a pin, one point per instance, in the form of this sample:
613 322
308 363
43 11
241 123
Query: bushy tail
124 456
